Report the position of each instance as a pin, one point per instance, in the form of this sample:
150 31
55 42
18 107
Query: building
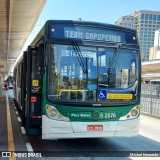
157 38
155 51
146 23
127 21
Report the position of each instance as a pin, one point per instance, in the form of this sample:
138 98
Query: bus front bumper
53 129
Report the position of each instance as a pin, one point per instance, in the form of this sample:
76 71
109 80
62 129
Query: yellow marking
119 96
138 107
11 147
35 83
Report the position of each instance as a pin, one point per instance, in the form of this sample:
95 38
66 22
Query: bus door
23 85
33 90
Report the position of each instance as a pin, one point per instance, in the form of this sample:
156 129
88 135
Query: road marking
29 147
11 146
23 130
19 119
28 144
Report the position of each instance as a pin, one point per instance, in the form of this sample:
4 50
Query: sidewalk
7 113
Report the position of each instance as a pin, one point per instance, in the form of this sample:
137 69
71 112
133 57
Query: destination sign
92 33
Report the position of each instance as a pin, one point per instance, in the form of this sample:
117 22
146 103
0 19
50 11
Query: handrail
71 90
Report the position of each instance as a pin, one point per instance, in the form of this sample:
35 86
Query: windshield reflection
79 73
117 68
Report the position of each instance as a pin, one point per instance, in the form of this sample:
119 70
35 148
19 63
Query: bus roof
90 23
79 22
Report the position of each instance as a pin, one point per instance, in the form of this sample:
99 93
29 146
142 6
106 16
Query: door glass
36 77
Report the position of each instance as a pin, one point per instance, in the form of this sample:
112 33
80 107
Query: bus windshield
92 74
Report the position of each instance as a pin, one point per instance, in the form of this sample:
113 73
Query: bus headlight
53 113
134 112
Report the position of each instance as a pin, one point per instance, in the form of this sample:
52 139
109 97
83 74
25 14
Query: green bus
80 79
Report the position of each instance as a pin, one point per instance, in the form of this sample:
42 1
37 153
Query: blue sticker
102 94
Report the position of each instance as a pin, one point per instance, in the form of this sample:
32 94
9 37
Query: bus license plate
95 127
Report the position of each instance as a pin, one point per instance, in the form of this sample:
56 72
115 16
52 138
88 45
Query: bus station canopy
17 20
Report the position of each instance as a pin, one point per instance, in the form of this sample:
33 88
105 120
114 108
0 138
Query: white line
15 108
23 130
29 147
16 113
19 119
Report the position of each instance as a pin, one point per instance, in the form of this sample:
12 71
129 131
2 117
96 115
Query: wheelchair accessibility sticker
102 94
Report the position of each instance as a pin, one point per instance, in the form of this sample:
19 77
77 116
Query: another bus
80 79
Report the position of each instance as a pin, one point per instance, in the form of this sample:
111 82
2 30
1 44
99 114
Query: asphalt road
99 148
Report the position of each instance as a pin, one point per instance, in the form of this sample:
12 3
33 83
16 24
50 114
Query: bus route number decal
108 115
35 83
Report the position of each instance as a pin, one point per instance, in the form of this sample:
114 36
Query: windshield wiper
80 58
113 62
114 58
